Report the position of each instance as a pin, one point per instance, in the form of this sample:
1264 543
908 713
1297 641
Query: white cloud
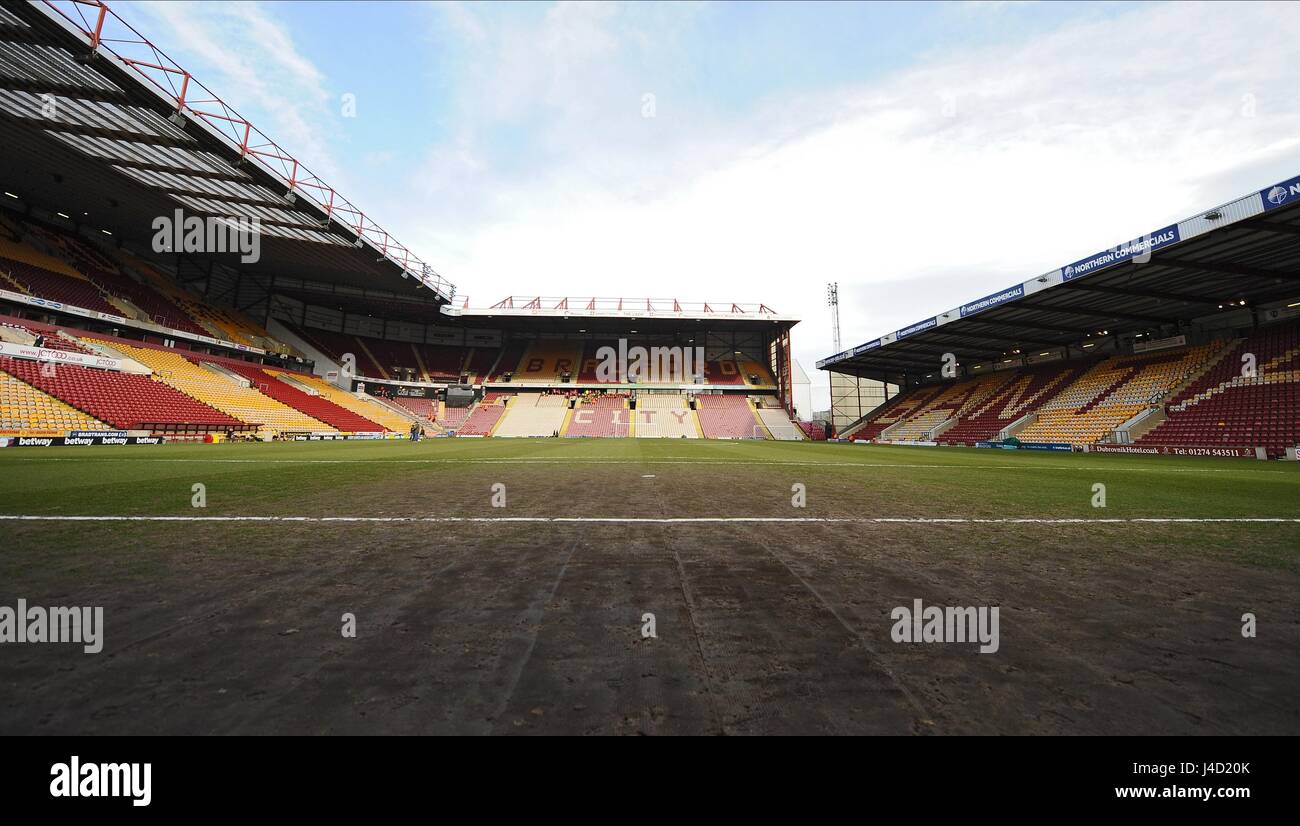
970 173
247 57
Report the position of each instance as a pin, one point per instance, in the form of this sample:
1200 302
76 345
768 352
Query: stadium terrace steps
1021 394
125 400
894 411
56 286
425 410
1226 408
53 338
213 386
728 417
1111 393
18 252
26 410
723 372
604 415
664 416
152 305
317 407
452 418
485 415
366 407
508 360
546 361
780 426
759 372
951 402
479 363
536 414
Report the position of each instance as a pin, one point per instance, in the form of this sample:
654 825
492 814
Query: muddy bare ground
537 628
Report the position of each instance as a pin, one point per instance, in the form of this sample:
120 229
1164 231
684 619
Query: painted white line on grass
717 462
637 520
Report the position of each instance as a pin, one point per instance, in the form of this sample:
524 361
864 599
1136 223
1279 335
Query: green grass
732 479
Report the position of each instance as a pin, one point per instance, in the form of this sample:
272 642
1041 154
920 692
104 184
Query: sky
919 154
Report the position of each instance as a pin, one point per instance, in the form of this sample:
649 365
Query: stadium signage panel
1287 192
1154 450
1138 248
994 300
117 319
73 440
920 327
870 345
402 390
1018 445
24 351
1159 344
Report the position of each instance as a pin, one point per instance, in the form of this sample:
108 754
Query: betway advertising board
80 438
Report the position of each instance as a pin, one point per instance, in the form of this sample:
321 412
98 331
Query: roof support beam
177 170
1271 226
1143 293
997 338
1227 269
112 134
1149 319
1051 328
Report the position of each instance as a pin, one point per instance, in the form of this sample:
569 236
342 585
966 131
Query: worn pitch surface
227 618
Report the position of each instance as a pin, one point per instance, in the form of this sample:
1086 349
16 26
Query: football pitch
649 586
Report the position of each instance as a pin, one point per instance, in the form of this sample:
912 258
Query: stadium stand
364 406
723 371
545 362
438 362
124 400
336 346
588 370
534 414
24 410
54 338
106 275
485 415
1226 408
479 363
664 415
509 360
600 415
1023 393
1109 394
757 375
213 388
319 408
42 281
425 409
892 412
953 400
727 417
452 418
777 422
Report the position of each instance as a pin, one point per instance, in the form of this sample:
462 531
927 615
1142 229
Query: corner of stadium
234 408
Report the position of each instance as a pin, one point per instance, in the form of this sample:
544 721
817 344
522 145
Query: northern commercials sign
1138 249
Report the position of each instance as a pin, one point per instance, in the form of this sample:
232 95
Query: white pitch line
632 520
578 461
